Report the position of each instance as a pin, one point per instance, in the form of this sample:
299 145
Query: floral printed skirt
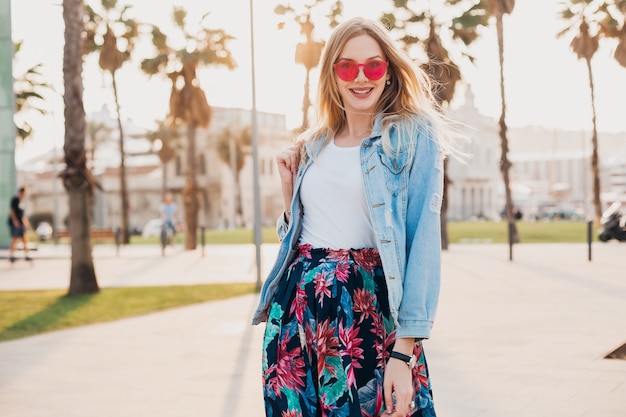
328 338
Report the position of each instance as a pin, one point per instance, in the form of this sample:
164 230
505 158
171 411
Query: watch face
413 361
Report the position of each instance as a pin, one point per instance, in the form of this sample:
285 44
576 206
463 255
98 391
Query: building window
179 166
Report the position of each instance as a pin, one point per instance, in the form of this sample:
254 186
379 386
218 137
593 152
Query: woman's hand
288 161
398 380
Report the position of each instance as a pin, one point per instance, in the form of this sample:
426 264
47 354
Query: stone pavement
512 339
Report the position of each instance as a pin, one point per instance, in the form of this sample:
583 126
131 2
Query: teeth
362 91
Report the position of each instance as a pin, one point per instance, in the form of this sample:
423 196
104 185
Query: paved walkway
522 338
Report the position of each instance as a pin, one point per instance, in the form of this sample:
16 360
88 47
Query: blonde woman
355 286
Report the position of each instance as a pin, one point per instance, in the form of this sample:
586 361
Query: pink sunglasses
374 69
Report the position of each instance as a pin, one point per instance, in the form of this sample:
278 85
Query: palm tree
441 68
231 148
76 177
612 24
481 14
166 138
308 53
96 133
112 35
29 88
582 19
188 103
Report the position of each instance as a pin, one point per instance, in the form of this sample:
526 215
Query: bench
97 234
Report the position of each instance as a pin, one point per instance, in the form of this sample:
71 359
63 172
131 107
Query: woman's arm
423 239
287 161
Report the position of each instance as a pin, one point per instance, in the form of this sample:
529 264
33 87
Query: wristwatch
411 361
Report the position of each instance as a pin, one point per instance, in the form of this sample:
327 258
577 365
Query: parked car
152 228
44 231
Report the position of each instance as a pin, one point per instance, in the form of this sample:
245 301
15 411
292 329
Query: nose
361 74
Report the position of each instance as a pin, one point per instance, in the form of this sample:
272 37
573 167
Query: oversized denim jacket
404 193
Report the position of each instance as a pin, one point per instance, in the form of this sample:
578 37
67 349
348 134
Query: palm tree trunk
123 187
505 164
238 204
191 190
595 168
83 275
235 195
76 177
306 102
163 180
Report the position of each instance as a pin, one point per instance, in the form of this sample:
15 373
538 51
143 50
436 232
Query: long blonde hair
407 100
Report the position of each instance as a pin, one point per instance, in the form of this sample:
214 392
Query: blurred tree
232 148
96 133
166 141
29 88
583 19
409 19
112 36
188 103
308 53
613 25
481 14
76 177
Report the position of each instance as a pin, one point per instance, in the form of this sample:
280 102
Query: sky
545 84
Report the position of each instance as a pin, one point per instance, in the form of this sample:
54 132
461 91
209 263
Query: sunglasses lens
347 70
374 70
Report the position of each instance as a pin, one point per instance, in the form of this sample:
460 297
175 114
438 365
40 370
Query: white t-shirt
334 204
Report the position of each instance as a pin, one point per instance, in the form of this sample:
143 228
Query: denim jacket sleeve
423 240
281 227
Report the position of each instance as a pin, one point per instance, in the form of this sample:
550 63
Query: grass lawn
459 232
26 313
529 232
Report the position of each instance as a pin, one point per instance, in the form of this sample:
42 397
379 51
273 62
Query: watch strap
401 356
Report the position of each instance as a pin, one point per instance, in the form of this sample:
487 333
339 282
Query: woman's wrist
404 345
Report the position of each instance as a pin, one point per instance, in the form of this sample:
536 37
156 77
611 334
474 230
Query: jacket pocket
394 163
396 170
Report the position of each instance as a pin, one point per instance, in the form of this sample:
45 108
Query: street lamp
255 158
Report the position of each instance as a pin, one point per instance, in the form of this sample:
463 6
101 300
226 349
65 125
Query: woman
355 286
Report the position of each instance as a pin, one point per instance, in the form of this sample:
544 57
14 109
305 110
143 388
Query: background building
550 175
145 174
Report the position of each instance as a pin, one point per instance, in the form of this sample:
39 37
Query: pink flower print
290 371
351 343
363 302
299 303
323 282
327 347
342 271
340 256
367 259
272 381
291 413
305 250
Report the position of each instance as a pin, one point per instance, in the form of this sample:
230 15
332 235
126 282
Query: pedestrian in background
355 286
18 223
169 212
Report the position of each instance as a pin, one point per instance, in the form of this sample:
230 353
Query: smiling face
361 95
